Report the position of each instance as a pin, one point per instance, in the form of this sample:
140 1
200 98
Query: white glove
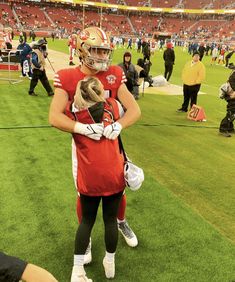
112 131
93 131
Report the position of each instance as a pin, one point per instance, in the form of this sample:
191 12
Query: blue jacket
25 51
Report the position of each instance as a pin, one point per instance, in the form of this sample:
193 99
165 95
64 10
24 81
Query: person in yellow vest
39 54
193 74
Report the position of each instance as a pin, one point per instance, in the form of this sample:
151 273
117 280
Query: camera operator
131 75
39 54
228 93
145 65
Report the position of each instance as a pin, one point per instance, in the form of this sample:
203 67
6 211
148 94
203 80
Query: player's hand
112 131
93 131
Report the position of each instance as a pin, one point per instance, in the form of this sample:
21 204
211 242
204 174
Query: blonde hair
89 91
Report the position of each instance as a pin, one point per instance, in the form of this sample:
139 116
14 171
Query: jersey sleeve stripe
57 84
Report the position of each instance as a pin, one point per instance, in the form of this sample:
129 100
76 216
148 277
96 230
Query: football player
72 44
95 53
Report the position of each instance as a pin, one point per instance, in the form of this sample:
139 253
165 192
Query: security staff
39 54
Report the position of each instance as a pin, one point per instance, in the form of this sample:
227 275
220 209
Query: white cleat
109 268
128 234
79 275
88 256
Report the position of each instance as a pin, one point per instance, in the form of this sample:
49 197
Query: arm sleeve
173 56
11 268
231 80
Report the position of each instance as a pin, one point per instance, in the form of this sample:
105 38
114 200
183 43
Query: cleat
71 64
79 275
88 256
109 268
181 111
128 234
33 94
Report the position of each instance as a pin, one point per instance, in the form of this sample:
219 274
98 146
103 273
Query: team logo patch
111 78
84 35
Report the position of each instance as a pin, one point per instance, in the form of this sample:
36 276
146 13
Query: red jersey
222 52
67 79
98 166
72 42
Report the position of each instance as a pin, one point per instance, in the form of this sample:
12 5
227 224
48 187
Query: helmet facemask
96 60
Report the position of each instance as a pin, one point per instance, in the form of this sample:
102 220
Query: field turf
184 215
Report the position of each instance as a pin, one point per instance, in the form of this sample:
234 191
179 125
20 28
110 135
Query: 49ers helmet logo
84 35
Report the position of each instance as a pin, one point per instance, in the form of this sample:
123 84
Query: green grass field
184 214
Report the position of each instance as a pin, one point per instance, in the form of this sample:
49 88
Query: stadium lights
229 11
132 8
208 11
177 11
145 9
156 9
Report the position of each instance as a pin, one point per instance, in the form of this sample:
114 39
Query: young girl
98 167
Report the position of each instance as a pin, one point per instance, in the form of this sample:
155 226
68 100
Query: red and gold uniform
72 43
67 79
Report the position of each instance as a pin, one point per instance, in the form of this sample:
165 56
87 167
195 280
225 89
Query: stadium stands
64 19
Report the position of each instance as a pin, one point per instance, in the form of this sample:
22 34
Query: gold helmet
90 41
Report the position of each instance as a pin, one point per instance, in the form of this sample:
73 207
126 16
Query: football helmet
94 48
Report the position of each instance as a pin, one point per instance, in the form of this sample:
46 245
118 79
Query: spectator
169 58
131 74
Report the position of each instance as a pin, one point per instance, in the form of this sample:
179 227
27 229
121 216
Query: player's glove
112 131
93 131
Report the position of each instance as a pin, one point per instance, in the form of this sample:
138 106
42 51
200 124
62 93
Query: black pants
168 70
190 95
226 124
110 205
226 61
40 75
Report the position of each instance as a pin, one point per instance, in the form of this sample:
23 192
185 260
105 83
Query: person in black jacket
12 269
131 74
201 50
228 93
228 57
169 58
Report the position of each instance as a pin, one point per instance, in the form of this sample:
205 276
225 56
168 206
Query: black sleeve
11 268
173 56
231 80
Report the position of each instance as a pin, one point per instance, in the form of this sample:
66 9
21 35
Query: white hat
134 176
